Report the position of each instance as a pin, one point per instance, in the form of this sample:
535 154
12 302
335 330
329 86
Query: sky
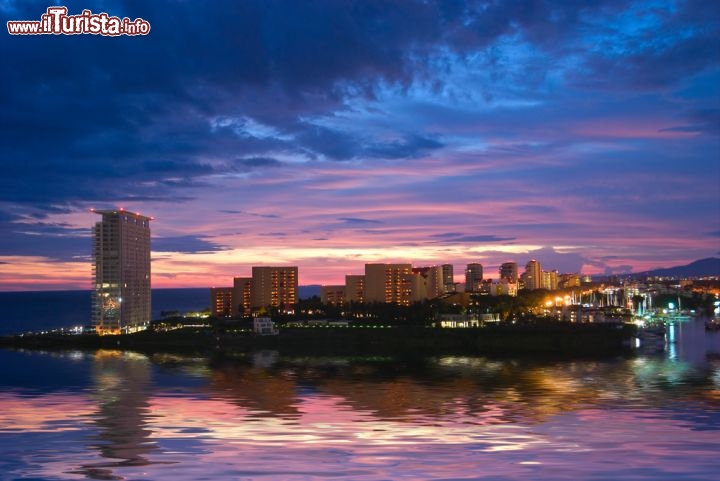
332 133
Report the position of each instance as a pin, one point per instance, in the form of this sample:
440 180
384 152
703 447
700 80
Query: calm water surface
118 415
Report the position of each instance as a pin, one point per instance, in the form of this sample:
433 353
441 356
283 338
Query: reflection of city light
220 419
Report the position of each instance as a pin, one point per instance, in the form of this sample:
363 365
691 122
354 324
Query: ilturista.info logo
56 21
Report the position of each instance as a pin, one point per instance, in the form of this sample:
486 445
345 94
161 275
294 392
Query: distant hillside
305 292
700 268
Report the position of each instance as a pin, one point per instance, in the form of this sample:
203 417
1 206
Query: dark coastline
567 340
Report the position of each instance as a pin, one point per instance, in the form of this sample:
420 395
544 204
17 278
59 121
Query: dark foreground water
120 415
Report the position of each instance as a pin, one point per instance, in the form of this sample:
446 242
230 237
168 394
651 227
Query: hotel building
333 295
274 287
242 295
533 277
355 288
389 283
473 277
427 283
221 301
121 271
550 280
448 278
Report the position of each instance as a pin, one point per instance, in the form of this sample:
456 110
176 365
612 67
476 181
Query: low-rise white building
264 326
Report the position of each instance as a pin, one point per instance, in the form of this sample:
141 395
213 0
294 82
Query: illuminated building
448 278
436 282
533 275
334 295
355 288
550 280
221 301
242 293
121 270
275 287
503 287
389 283
473 277
509 271
427 283
569 280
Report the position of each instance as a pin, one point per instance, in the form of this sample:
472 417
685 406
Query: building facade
567 281
550 280
503 287
473 277
533 277
242 294
509 271
333 295
274 287
221 301
121 272
427 283
355 288
448 278
389 283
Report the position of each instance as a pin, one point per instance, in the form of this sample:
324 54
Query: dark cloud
447 235
358 221
655 48
254 214
535 209
165 166
100 131
331 143
337 145
473 238
542 226
134 122
253 162
698 121
409 147
185 244
56 241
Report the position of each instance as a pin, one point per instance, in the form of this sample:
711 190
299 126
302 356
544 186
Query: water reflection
122 383
269 416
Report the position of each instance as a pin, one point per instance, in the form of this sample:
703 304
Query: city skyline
332 134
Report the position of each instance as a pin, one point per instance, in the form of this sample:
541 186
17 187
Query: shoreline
560 339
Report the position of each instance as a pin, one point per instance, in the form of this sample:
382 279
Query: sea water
43 310
266 416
